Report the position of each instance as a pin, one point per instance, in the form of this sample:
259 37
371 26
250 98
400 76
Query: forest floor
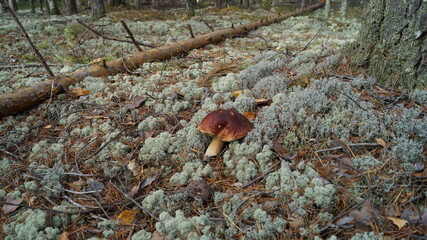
332 154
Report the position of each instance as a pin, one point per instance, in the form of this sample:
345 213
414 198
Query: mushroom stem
214 148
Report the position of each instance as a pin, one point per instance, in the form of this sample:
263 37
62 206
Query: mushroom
224 126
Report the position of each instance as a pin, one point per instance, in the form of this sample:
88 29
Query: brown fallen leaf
157 236
78 92
400 223
64 236
127 216
381 142
237 93
250 115
134 167
410 216
296 221
364 215
263 101
200 190
279 149
140 186
10 204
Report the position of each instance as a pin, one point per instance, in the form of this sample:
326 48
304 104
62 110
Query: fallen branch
24 32
131 35
112 38
31 65
22 100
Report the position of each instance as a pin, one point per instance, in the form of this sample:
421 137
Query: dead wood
24 99
25 34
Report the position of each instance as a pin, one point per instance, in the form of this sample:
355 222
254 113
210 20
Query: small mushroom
224 126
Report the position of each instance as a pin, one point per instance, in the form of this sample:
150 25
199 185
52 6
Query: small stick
113 39
350 145
31 65
207 24
24 32
131 35
191 30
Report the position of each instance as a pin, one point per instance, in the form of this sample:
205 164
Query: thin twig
114 39
105 144
136 203
131 35
350 145
190 30
311 41
24 32
207 24
31 65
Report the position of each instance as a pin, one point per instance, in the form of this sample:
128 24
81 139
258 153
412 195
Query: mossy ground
83 160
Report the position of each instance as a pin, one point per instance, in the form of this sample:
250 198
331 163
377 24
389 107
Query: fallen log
26 98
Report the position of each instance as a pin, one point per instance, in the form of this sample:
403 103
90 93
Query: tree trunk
46 3
219 3
19 101
343 8
98 8
13 5
116 3
33 6
41 5
137 4
71 7
327 8
392 45
54 7
190 7
155 4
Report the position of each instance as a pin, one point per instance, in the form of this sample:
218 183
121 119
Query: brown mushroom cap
226 125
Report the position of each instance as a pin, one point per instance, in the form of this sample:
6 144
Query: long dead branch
25 34
112 38
24 99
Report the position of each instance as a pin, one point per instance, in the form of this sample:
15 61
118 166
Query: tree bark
190 7
71 6
392 45
54 7
116 3
19 101
343 8
33 6
98 8
327 8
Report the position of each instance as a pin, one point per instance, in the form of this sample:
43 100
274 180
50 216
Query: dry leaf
424 218
381 142
296 222
64 236
344 222
80 92
411 216
97 61
157 236
200 190
400 223
237 93
95 117
363 216
279 149
249 115
263 101
127 216
134 167
48 127
141 185
10 204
